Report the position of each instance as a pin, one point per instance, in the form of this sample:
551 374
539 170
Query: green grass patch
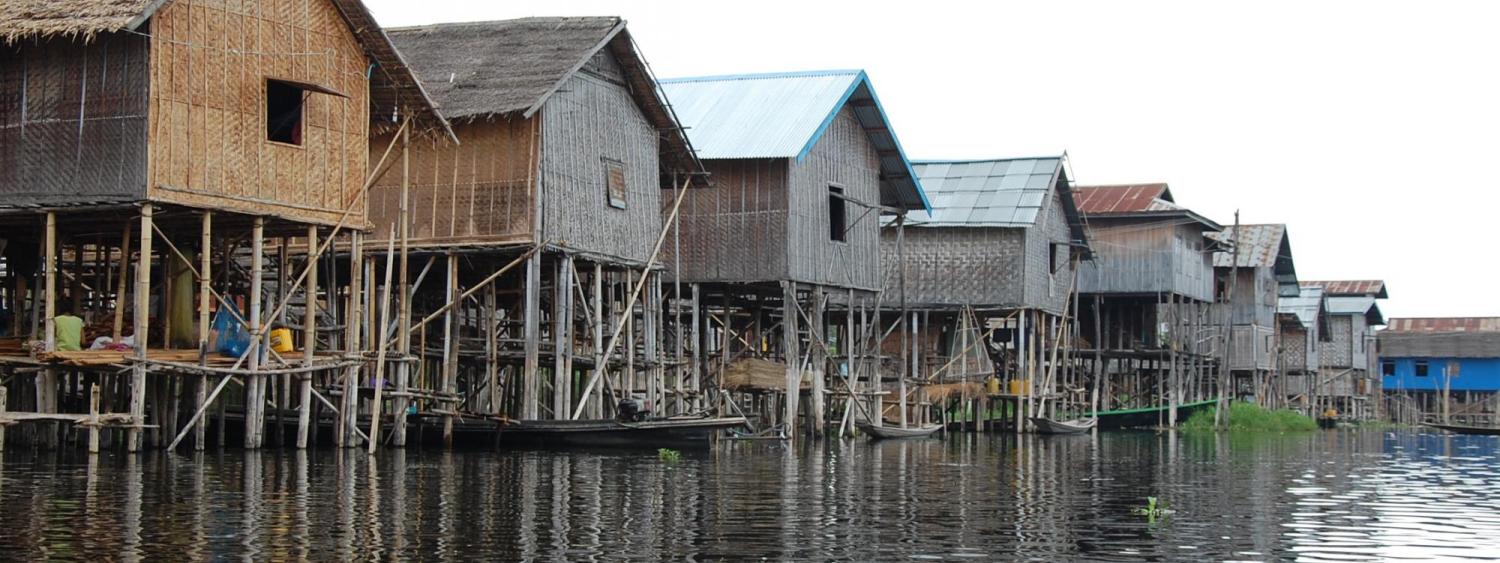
1247 417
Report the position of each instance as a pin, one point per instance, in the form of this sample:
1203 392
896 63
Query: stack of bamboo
87 358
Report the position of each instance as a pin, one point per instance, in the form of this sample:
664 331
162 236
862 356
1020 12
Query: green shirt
68 331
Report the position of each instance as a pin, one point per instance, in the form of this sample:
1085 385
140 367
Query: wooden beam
142 313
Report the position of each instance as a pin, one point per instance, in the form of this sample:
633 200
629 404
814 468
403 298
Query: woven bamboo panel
209 63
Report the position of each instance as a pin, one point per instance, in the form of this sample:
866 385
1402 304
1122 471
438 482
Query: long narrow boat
893 432
1046 425
1461 429
658 433
1149 416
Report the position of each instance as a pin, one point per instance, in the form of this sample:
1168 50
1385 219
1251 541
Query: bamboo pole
450 345
562 289
385 314
46 384
533 335
403 337
255 384
120 288
94 418
354 320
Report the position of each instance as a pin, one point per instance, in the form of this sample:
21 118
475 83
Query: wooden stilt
695 384
818 362
562 325
403 269
4 399
94 418
46 382
142 314
599 368
791 354
450 347
205 281
120 288
383 339
309 342
343 435
533 336
255 385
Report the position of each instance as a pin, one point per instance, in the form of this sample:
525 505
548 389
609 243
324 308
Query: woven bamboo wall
735 229
591 119
1047 289
474 193
1294 348
957 266
210 60
73 121
843 156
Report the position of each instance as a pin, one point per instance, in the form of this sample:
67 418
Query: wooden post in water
402 404
343 435
255 384
450 348
142 313
791 353
46 381
205 281
1221 411
94 418
817 417
309 340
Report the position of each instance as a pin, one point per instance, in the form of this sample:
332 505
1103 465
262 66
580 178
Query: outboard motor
632 410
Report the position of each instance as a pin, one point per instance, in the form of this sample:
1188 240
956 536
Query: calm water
1336 495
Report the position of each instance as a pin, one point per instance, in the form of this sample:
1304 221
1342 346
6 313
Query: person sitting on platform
68 331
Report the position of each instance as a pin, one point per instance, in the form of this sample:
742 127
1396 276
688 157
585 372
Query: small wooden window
614 183
1421 368
284 112
838 215
1388 368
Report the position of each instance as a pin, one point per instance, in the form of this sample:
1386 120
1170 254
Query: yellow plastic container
1020 387
992 385
281 340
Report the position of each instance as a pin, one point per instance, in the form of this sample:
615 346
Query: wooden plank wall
1142 257
593 117
209 63
843 156
475 193
73 121
735 229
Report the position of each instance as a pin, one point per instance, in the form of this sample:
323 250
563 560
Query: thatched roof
478 70
393 88
20 19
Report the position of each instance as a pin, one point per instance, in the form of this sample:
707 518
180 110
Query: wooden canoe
1461 429
679 433
1075 426
893 432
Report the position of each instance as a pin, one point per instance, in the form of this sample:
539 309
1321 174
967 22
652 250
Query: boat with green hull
1149 416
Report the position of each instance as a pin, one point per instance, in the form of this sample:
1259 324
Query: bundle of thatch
942 392
758 374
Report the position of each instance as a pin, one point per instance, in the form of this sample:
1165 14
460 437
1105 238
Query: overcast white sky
1370 128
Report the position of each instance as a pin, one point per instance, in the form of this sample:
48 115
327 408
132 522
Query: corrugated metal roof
986 193
1445 324
1355 305
1371 288
1307 305
782 115
1130 198
1259 245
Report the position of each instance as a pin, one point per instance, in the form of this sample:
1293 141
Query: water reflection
1323 496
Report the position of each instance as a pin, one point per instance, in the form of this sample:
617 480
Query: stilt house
181 135
1303 327
555 196
803 164
1253 272
1444 369
1349 359
1149 286
1000 249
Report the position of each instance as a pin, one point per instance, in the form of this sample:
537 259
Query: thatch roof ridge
487 68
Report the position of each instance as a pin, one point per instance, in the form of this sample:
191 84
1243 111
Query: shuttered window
614 183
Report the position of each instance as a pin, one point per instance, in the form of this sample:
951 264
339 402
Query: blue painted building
1444 369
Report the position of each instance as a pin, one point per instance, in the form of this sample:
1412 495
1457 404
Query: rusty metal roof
1445 324
1130 198
1370 288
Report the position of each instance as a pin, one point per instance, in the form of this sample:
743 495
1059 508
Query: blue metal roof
782 115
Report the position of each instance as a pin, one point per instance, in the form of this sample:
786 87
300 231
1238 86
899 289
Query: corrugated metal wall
957 266
209 64
73 121
472 193
588 120
735 229
843 156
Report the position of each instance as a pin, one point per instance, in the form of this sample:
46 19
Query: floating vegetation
1154 509
1248 417
668 455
